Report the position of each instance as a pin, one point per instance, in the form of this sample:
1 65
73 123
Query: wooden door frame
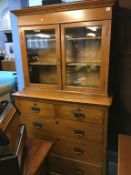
105 47
25 60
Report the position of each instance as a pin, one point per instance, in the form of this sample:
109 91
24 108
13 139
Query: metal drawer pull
78 151
37 125
79 172
35 109
79 115
79 133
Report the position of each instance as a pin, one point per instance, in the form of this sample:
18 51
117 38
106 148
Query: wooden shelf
85 63
84 38
40 63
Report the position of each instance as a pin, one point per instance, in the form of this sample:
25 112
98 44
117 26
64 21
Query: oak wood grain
61 96
124 155
36 152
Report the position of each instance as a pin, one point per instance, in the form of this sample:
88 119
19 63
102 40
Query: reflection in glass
83 56
41 52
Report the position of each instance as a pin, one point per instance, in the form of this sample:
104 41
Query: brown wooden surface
65 6
91 152
61 17
65 127
68 167
64 97
35 154
90 114
8 65
124 155
42 109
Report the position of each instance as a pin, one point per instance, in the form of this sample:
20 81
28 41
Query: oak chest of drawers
78 130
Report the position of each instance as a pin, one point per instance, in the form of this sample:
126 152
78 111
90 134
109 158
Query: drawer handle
37 125
79 151
79 133
79 171
79 115
35 109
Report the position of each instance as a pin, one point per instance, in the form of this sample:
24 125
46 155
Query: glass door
83 52
42 52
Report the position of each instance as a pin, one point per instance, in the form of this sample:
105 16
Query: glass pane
43 74
83 56
41 52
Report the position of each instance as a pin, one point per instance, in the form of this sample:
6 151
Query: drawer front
61 166
31 107
87 152
82 113
79 131
38 124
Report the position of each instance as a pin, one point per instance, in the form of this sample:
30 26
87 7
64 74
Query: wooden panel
87 152
8 65
81 113
36 108
74 130
79 131
124 155
61 96
36 152
66 17
65 6
38 123
63 166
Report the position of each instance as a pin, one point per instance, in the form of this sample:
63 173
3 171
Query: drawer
79 131
64 128
61 166
89 114
37 123
87 152
38 108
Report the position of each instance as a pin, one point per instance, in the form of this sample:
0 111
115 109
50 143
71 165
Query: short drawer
61 166
89 114
37 123
87 152
38 108
79 131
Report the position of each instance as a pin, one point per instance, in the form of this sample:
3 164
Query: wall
16 4
120 114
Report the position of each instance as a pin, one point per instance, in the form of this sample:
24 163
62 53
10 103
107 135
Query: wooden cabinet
8 65
65 53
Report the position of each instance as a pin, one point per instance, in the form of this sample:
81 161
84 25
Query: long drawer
79 131
75 130
87 152
36 108
62 166
90 114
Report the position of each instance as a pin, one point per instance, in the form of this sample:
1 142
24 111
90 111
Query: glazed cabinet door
41 56
85 56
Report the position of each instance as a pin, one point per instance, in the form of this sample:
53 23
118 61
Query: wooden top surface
65 97
65 6
35 154
124 155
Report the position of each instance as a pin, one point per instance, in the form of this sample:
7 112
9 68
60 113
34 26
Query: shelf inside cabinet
84 38
97 63
40 63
